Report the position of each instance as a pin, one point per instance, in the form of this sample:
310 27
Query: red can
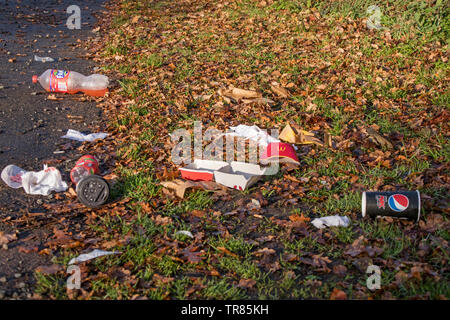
85 166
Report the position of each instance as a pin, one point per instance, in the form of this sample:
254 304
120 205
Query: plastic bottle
72 82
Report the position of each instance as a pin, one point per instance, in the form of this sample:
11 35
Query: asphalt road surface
31 125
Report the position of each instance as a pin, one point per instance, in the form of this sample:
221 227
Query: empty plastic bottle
71 82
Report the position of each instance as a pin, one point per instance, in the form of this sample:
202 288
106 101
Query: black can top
93 191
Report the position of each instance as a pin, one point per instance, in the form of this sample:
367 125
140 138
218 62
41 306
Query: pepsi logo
398 202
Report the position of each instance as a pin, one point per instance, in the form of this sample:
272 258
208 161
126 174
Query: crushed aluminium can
396 204
86 165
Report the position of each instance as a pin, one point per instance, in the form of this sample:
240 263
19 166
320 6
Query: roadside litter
92 255
201 170
71 82
236 175
92 190
396 204
43 59
78 136
331 221
35 183
84 167
239 175
279 152
180 186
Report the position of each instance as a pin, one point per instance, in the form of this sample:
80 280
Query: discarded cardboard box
201 170
239 175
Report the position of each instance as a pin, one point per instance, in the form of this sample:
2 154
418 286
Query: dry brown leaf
237 93
6 238
198 213
53 97
246 283
49 270
280 91
258 101
297 218
379 139
338 295
225 250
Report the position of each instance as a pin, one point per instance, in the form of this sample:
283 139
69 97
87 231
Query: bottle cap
93 191
35 78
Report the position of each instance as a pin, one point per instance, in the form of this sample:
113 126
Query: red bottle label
59 80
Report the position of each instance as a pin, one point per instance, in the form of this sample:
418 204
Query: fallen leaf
53 97
338 295
237 94
246 283
280 91
28 249
191 256
198 213
135 19
340 270
298 218
6 238
225 250
379 139
49 270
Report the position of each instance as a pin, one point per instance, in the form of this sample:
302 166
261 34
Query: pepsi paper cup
398 204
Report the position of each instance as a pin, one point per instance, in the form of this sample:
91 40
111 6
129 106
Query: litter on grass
92 255
239 175
279 152
253 133
34 183
331 221
78 136
186 233
179 186
201 170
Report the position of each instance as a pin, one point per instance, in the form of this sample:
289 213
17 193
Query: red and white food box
239 175
201 170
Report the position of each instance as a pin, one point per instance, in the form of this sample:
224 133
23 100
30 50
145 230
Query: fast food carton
239 175
201 170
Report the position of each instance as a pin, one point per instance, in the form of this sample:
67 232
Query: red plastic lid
35 79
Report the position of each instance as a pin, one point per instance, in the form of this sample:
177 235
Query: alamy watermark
373 282
374 20
74 280
74 20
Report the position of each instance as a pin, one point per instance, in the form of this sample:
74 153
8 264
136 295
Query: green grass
243 44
